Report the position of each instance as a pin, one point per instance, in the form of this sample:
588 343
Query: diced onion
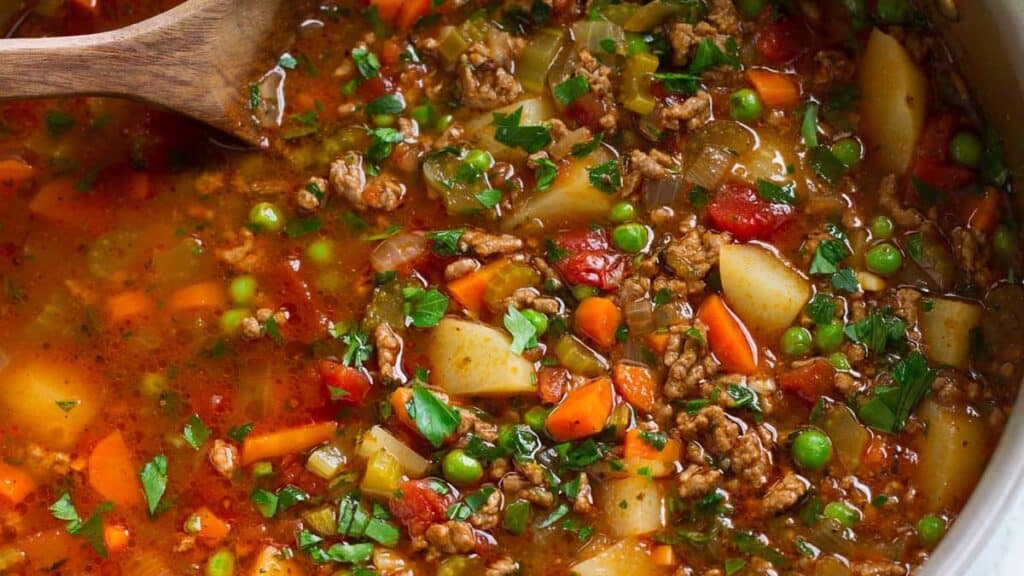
589 35
663 192
397 252
634 351
709 167
672 313
639 316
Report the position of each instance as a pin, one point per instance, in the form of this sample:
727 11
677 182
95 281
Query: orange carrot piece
112 473
412 11
128 305
211 527
598 318
583 412
387 9
658 342
390 52
775 89
287 441
634 446
985 213
636 384
46 549
469 290
15 484
727 336
59 201
663 555
13 173
116 537
399 400
202 295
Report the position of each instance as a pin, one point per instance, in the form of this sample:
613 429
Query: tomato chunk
738 209
417 506
781 41
810 381
590 260
344 383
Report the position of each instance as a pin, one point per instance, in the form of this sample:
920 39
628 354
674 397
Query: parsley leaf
524 333
265 501
826 165
433 418
462 510
489 198
67 405
510 133
821 309
775 193
59 123
238 433
196 433
154 481
287 61
427 308
656 440
845 280
605 177
553 252
708 55
877 331
366 62
678 82
446 242
809 128
829 253
546 173
357 347
386 104
568 91
890 406
64 509
382 141
582 149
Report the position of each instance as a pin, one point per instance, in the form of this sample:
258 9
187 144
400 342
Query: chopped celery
262 469
535 61
649 15
636 83
322 521
620 13
575 356
507 280
591 33
452 46
326 461
383 474
446 173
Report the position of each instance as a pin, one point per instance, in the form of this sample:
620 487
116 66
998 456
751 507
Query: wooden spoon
196 59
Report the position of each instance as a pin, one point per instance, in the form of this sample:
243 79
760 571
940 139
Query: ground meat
698 480
223 457
485 73
389 352
471 422
452 135
242 256
487 516
952 388
891 203
312 196
653 165
784 494
449 538
722 21
255 327
44 462
877 568
584 502
348 179
689 361
907 300
750 460
694 253
599 77
723 16
551 277
504 566
484 244
832 66
972 251
527 483
563 139
692 113
460 268
530 298
741 452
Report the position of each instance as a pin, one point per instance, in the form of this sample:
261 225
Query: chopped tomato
373 88
590 260
738 209
781 41
931 164
587 110
551 384
810 381
344 383
417 506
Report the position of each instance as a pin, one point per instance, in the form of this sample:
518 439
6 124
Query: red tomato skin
591 261
352 381
418 506
781 41
738 209
810 381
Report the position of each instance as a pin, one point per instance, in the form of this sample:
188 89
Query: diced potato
51 402
473 359
952 455
273 561
629 556
571 198
894 97
481 128
761 288
634 505
383 474
946 326
377 438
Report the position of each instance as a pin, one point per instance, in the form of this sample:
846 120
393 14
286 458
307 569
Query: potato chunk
762 289
473 359
51 402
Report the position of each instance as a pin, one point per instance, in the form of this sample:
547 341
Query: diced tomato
810 381
934 141
344 383
931 164
586 110
781 41
590 260
551 384
738 209
583 239
373 88
417 506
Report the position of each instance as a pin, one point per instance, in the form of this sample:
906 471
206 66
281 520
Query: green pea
881 227
839 361
266 216
630 237
424 115
384 119
750 8
893 11
222 563
320 252
883 259
581 292
931 529
828 337
242 289
231 320
1004 241
966 149
479 160
622 212
461 469
745 105
444 122
842 513
848 151
538 319
796 341
535 418
812 450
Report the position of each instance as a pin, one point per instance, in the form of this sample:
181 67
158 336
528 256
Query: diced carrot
211 527
138 185
116 537
201 295
985 213
46 549
388 9
658 342
128 305
663 555
583 412
636 384
412 11
469 290
112 473
728 337
399 400
775 89
634 446
390 52
287 441
13 173
15 484
598 318
59 201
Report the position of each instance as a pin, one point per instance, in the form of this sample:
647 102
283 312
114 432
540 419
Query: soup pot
987 38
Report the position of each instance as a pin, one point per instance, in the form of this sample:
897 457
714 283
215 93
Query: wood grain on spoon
195 59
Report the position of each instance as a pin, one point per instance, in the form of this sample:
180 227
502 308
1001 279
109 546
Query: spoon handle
66 66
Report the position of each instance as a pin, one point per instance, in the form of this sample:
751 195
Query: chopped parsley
776 193
154 481
434 419
877 331
708 55
468 506
382 141
605 177
809 127
446 242
827 256
524 333
582 149
488 198
59 123
656 440
545 173
821 309
570 90
426 307
386 104
357 347
366 62
845 280
890 406
529 138
195 433
678 82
